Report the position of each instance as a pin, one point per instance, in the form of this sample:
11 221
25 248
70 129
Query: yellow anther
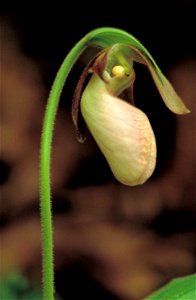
119 71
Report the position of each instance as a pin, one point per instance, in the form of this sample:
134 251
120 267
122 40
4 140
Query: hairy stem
45 160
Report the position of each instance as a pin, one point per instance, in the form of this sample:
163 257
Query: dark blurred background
111 241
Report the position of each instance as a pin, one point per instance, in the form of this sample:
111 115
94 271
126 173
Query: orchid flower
122 131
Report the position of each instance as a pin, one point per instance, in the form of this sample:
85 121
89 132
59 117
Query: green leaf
178 289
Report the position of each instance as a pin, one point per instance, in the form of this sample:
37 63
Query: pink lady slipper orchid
121 130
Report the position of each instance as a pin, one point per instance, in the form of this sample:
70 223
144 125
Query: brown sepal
96 65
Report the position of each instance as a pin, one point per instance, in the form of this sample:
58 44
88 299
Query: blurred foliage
15 286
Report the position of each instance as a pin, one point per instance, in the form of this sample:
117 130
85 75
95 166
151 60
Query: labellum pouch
122 131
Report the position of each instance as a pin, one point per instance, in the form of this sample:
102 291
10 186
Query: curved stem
45 159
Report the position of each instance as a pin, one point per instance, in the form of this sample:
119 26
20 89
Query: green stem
45 160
